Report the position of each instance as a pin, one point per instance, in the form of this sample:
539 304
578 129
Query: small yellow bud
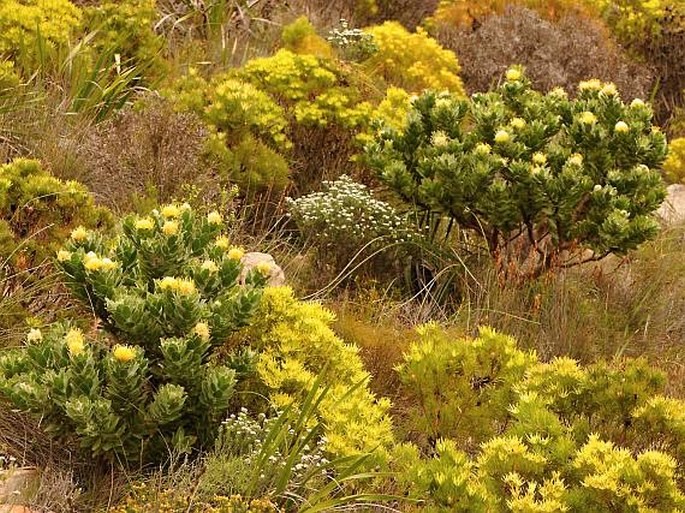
518 123
168 283
263 268
222 242
63 256
576 159
75 342
482 148
214 218
621 127
171 211
145 224
588 118
170 228
539 158
209 265
34 335
513 74
79 234
123 354
236 253
502 136
201 329
185 287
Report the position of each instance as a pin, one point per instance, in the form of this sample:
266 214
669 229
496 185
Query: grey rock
251 260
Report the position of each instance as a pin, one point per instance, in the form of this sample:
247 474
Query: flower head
214 217
79 234
588 118
263 268
502 136
63 256
170 228
539 158
439 139
589 85
558 92
75 342
482 148
209 265
185 287
171 211
123 354
221 242
92 262
34 335
108 264
576 159
610 89
201 329
167 283
637 103
236 253
145 224
518 123
513 74
621 127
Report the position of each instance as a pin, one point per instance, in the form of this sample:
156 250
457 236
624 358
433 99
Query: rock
14 508
252 260
672 210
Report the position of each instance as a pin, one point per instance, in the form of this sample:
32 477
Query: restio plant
539 436
674 166
547 181
412 60
166 293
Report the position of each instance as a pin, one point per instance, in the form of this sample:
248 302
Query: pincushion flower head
502 136
637 103
209 265
201 329
588 118
75 342
439 139
589 85
518 123
621 127
63 256
513 74
185 287
79 234
576 159
221 242
145 224
263 268
610 89
214 218
236 253
34 335
170 228
171 211
539 158
123 354
482 148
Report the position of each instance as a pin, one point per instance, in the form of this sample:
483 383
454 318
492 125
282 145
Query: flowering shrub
297 345
413 61
353 44
345 218
567 438
300 37
674 166
542 177
166 293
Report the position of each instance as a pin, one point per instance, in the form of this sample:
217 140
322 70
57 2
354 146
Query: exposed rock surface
252 260
672 211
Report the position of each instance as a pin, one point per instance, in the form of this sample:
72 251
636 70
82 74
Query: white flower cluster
347 213
242 435
355 44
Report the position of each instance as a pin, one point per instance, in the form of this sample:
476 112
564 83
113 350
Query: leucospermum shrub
540 176
548 437
166 293
413 61
345 219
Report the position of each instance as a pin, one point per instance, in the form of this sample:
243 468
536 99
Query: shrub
166 293
345 219
541 177
413 61
352 44
674 166
555 54
296 346
556 442
300 37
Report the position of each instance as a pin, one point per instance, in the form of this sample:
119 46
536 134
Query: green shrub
541 177
674 166
166 293
300 37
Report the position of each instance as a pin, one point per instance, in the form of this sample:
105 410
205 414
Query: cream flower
34 335
209 265
621 127
185 287
576 159
263 268
502 136
201 329
539 158
214 218
168 283
221 242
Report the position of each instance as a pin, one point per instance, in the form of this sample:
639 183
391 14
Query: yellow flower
558 92
637 103
236 253
621 127
185 287
123 354
75 341
263 268
439 139
170 228
107 264
145 224
587 85
201 329
222 242
92 263
168 283
588 118
171 211
214 218
539 158
209 265
610 89
34 335
518 123
513 74
502 136
482 148
79 234
576 159
63 256
186 207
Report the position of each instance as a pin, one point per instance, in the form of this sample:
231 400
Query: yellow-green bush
300 37
22 22
413 61
674 165
297 344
